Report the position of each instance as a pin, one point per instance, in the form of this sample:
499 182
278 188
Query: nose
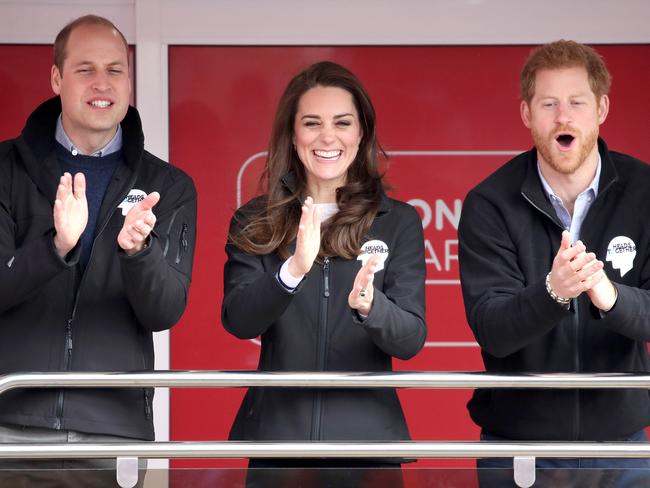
327 134
101 81
563 113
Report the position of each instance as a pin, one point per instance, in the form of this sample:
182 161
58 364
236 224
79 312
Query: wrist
135 249
564 301
286 279
294 268
611 299
363 312
62 249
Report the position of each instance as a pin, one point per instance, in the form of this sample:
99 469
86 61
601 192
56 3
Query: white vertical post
151 82
524 471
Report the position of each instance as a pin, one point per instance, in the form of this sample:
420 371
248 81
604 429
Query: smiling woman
328 270
326 137
325 109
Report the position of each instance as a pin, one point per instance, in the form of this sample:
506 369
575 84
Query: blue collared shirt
114 145
580 207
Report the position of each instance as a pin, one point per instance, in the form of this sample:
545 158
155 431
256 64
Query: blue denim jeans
557 473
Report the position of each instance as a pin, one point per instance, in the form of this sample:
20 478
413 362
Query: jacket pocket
182 244
176 241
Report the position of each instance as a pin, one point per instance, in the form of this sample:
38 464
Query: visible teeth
327 154
100 103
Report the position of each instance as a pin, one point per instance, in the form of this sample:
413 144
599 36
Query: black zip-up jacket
314 329
52 318
508 236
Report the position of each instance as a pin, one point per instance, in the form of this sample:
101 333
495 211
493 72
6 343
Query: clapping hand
307 240
70 212
362 294
138 224
574 269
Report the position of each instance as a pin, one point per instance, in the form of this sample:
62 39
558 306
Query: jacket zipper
168 233
182 244
577 368
67 352
322 347
540 210
66 365
578 360
147 403
576 334
58 422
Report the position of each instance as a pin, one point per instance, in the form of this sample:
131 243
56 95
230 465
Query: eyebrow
339 116
92 63
572 95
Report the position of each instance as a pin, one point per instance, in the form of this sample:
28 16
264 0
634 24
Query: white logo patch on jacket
134 196
621 252
373 247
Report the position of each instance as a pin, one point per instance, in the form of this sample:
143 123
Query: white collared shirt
114 145
580 208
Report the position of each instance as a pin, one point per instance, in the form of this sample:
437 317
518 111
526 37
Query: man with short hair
555 269
96 247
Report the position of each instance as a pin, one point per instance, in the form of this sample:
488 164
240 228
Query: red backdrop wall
24 83
448 115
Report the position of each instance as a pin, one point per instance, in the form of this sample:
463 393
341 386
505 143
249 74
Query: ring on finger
363 293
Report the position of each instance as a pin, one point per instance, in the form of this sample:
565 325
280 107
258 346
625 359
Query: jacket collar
532 188
36 144
289 181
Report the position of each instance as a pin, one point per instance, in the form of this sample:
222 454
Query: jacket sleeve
157 279
26 269
396 322
505 310
253 297
630 316
24 266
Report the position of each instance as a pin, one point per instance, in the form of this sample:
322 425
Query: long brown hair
272 225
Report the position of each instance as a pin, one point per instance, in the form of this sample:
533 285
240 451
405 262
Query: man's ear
55 80
603 109
524 110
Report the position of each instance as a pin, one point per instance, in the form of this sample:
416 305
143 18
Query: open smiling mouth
565 140
100 103
328 155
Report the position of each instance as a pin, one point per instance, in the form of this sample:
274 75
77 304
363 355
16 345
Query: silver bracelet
561 300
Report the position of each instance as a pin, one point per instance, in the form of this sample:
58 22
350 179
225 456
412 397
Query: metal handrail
395 379
412 449
524 453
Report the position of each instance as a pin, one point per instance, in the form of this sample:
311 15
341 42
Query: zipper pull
147 406
184 242
68 332
326 277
